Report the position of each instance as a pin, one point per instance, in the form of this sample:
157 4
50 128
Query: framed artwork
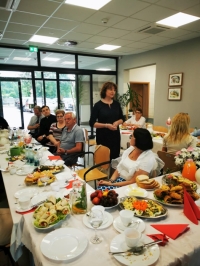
174 94
175 79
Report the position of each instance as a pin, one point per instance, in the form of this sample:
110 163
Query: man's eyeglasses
59 116
137 112
130 136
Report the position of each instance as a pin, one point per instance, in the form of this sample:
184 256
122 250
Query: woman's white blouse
127 167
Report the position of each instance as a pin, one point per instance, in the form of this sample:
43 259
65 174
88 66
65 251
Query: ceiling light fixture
21 58
68 63
92 4
43 39
178 20
104 69
107 47
51 59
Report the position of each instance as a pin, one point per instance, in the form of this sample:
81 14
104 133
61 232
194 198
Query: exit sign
33 48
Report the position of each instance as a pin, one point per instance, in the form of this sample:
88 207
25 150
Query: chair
168 159
90 141
160 129
101 167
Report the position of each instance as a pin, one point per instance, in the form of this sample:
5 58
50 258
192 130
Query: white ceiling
125 19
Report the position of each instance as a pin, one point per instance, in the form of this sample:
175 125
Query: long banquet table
185 250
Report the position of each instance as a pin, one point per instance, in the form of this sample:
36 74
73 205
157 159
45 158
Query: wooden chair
160 129
101 167
168 159
90 141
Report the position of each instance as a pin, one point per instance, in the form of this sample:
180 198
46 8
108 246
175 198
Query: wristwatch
43 136
112 181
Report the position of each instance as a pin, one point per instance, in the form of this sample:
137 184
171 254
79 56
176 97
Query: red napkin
191 210
70 184
171 230
32 210
54 158
162 237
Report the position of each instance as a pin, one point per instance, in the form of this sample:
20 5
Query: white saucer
118 225
108 220
149 257
19 209
27 191
136 192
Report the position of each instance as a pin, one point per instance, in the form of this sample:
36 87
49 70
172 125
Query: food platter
50 213
53 168
154 209
177 179
168 204
136 192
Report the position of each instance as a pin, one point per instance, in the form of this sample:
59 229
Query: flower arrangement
189 153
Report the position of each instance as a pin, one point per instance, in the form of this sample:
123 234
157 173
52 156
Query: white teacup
24 201
98 207
61 180
132 237
12 170
55 186
126 217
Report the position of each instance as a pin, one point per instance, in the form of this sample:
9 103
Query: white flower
195 154
183 150
178 161
183 154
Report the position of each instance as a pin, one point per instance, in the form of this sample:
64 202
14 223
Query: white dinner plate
24 171
44 195
149 257
66 175
136 192
28 191
108 220
64 244
19 209
118 225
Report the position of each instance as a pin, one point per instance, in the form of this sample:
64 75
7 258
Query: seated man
45 124
3 123
137 120
34 123
72 139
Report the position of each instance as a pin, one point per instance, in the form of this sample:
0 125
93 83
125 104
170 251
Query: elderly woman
138 159
179 136
137 120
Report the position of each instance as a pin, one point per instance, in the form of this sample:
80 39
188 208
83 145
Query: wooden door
142 88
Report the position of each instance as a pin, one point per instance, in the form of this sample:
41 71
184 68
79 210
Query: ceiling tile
89 28
100 39
195 10
42 7
173 33
194 26
130 24
4 14
189 36
51 32
88 45
28 19
133 36
154 13
11 41
61 24
137 45
128 8
120 42
178 5
154 39
115 33
75 36
17 36
2 25
15 27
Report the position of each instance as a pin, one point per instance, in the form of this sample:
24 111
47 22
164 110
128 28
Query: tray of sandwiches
143 181
171 193
40 178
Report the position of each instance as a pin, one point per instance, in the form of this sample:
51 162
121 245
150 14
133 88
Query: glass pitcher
79 197
189 170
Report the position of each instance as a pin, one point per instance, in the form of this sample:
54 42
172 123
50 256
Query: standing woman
106 117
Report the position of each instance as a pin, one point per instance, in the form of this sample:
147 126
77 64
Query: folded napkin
171 230
191 210
70 184
162 237
55 158
25 212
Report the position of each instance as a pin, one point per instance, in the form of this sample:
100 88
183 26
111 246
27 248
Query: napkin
171 230
70 184
191 210
25 212
162 237
54 158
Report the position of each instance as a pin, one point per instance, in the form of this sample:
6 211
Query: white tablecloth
185 250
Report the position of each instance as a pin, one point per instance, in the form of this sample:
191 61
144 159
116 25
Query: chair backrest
160 129
168 159
102 154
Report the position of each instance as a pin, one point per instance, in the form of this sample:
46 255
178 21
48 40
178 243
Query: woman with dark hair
137 120
106 117
138 159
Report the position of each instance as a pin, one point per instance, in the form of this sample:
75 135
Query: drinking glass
96 220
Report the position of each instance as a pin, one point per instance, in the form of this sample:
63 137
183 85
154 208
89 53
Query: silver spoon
137 223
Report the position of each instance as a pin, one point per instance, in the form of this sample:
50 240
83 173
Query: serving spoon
136 250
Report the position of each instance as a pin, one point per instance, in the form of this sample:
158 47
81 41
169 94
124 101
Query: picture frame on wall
175 79
174 94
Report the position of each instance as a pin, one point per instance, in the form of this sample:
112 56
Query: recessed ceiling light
68 63
103 69
177 20
21 58
43 39
93 4
107 47
51 59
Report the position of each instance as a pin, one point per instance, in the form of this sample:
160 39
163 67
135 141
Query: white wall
181 57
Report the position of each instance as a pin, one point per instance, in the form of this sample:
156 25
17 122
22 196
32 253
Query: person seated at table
45 124
179 135
55 130
3 123
71 141
196 133
34 123
138 159
6 225
137 120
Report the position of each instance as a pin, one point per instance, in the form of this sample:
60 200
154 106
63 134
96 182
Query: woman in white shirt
137 120
138 159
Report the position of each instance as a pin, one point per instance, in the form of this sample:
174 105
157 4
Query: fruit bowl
107 198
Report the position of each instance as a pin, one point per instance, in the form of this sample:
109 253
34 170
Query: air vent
67 43
9 4
153 29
